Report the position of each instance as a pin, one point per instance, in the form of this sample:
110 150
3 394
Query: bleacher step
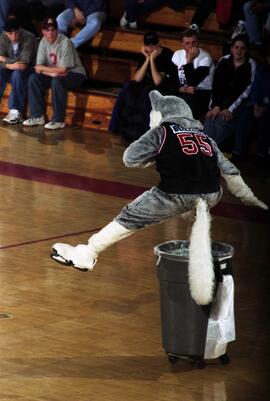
89 108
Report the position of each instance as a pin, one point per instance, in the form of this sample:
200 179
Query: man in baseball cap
58 67
151 38
48 23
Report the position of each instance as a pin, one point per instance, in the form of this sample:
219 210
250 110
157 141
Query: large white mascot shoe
80 256
84 257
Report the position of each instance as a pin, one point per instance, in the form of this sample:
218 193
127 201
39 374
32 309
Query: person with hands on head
17 56
150 51
130 116
195 72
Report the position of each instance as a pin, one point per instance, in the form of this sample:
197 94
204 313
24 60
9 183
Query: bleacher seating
110 59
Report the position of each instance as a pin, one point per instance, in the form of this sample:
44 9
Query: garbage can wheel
199 362
172 358
224 359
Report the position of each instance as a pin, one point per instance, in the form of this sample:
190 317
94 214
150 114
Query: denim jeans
240 125
18 80
91 27
37 86
253 24
155 206
5 6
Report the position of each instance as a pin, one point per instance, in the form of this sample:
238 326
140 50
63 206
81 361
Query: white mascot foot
80 256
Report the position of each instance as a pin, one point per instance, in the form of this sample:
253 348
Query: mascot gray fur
173 129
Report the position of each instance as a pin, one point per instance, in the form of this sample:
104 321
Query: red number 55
192 144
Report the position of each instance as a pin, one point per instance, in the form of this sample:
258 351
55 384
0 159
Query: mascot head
166 108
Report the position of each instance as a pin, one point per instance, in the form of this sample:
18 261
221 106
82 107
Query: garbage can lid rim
180 249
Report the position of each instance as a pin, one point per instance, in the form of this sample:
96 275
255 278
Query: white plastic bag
221 326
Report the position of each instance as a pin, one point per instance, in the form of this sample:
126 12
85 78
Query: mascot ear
155 97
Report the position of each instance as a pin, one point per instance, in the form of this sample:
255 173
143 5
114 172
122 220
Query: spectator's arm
28 51
51 71
218 85
142 68
157 76
195 75
256 91
246 92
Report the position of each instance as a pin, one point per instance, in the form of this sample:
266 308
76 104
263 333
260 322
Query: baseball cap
49 23
11 25
150 38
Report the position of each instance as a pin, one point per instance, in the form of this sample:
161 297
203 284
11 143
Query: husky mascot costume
190 165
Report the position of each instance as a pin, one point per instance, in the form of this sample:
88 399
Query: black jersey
186 162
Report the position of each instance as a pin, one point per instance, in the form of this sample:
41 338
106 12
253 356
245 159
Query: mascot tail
200 268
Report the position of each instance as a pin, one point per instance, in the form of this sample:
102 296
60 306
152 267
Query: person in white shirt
195 72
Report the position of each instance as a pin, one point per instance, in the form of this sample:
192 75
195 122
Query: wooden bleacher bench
169 18
129 40
85 108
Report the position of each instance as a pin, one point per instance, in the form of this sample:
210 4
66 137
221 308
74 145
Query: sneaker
79 257
239 29
195 27
133 25
54 125
123 21
32 121
13 117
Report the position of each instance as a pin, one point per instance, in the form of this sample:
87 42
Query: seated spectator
17 56
130 116
89 15
58 67
135 8
260 100
229 113
195 71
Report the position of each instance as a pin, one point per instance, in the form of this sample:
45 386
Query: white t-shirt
202 60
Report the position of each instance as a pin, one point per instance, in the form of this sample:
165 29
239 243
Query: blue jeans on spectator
92 25
253 24
134 9
5 6
219 129
37 86
18 80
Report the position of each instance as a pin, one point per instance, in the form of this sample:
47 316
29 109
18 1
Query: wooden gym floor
67 335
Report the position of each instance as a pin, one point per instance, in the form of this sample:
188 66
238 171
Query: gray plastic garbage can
183 322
